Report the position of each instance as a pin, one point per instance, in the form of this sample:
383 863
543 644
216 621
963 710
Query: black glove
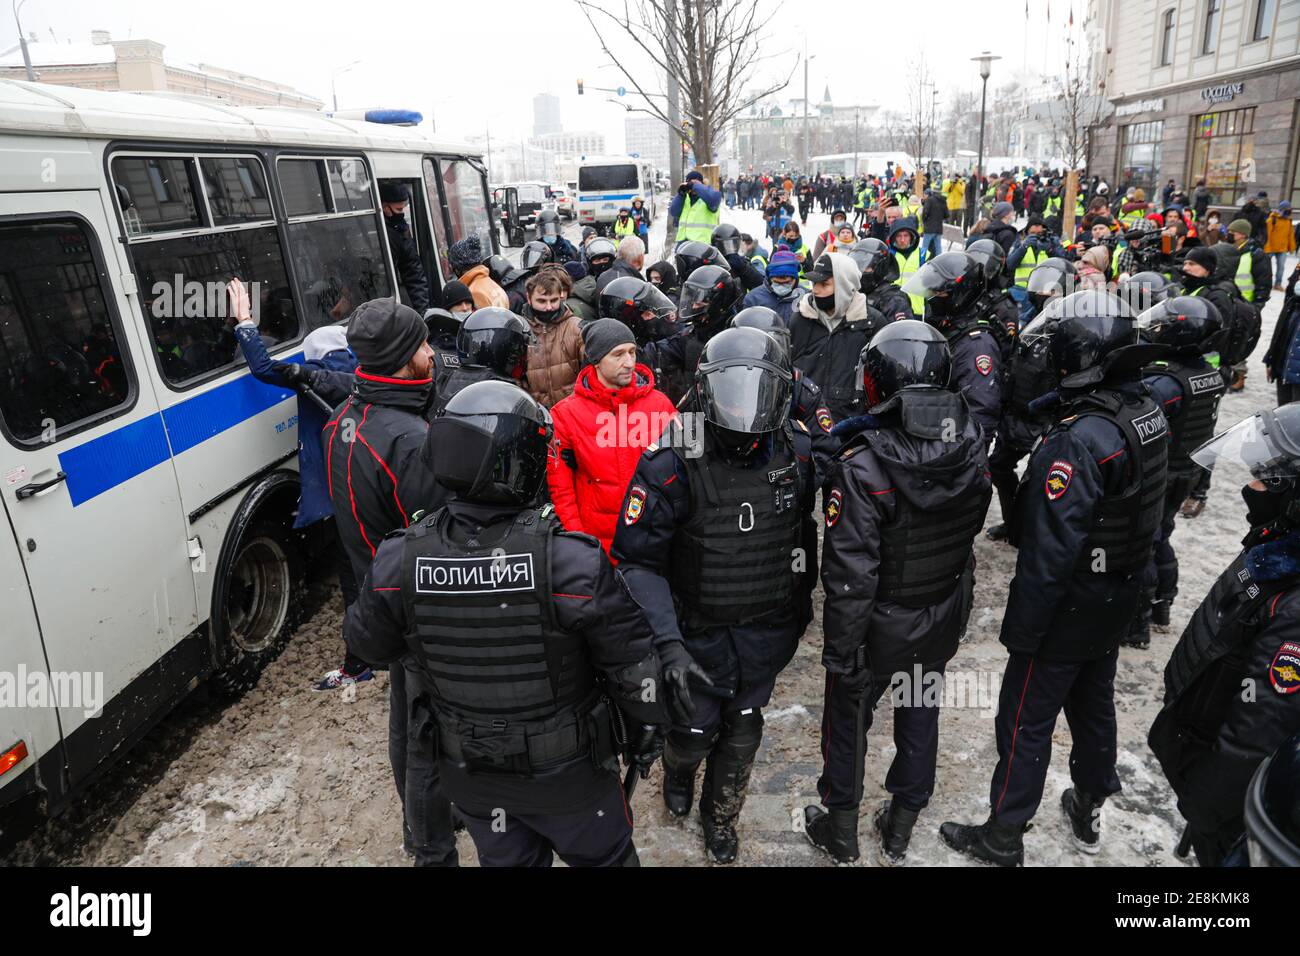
678 669
646 749
683 189
855 681
295 374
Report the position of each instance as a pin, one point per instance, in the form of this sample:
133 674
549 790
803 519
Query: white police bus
148 481
607 184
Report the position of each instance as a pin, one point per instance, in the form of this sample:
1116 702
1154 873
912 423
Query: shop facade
1240 134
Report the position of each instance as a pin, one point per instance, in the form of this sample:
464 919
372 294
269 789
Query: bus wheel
260 600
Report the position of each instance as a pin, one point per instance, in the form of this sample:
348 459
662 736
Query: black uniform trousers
1004 458
916 738
427 829
1034 692
710 708
1165 576
600 835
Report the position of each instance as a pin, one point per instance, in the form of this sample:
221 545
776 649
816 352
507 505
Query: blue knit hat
783 263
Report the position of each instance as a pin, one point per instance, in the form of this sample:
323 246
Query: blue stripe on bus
103 463
106 462
607 198
205 416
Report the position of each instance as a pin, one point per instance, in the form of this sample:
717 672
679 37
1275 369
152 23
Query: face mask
1265 507
549 240
1194 282
547 317
783 290
825 303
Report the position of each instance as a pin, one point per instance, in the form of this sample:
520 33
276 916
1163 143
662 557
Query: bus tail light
12 757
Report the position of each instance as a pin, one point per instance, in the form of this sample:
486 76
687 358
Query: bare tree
1076 110
708 47
918 121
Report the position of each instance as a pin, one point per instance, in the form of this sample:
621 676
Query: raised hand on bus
240 306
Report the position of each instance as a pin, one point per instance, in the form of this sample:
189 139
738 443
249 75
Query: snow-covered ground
288 776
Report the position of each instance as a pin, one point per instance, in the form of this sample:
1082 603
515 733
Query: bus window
466 199
350 184
621 178
60 362
182 278
236 190
156 194
302 187
338 260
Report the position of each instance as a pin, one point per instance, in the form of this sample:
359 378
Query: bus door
418 219
86 473
27 732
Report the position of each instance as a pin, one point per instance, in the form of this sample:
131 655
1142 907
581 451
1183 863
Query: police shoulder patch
635 505
1058 479
824 420
984 363
1284 672
834 507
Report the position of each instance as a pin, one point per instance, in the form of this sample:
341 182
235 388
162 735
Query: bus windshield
607 178
530 192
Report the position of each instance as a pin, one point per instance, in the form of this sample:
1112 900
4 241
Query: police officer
394 198
908 494
691 255
1232 684
511 620
879 273
1144 290
1085 517
444 329
651 316
806 404
492 345
598 255
1189 389
710 542
949 286
548 232
708 299
727 240
1027 409
534 255
996 305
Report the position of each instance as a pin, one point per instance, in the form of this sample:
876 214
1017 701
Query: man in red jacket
614 413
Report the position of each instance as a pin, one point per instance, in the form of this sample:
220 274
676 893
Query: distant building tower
827 108
546 115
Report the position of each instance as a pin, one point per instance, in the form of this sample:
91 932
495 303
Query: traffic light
580 87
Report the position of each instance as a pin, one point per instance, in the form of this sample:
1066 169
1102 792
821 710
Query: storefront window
1140 155
1223 154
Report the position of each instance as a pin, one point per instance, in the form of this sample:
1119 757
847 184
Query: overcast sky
477 65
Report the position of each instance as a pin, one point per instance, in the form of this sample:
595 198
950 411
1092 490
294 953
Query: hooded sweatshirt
826 347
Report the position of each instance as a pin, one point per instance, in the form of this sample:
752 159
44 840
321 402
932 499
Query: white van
149 481
607 184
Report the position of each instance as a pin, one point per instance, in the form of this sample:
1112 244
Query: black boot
1160 612
1138 635
894 823
1083 813
682 756
726 779
835 831
997 533
990 842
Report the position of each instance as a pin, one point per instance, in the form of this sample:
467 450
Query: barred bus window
338 255
60 362
155 194
182 266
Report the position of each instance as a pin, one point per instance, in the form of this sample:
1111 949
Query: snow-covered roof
60 54
71 111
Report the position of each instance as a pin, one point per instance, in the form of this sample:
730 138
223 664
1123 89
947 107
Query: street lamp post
985 60
22 42
806 58
334 82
